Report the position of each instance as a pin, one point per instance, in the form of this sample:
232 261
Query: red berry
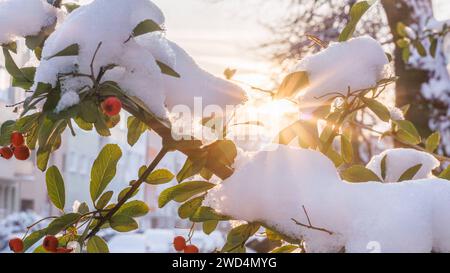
190 249
50 243
6 152
17 139
63 250
111 106
179 243
22 152
16 245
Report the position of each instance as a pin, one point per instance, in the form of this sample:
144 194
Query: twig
310 225
92 62
130 193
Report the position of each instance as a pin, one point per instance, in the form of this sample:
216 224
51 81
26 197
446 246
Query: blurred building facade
22 185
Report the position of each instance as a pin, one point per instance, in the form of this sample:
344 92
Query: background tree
423 80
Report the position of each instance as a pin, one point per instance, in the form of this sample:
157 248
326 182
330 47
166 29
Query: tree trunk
408 87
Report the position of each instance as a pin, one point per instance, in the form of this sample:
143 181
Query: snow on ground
23 18
356 64
111 22
400 160
398 217
15 225
161 241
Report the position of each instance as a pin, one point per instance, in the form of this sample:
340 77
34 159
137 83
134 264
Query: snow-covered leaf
104 169
146 26
55 187
359 173
432 142
97 245
183 191
410 173
292 83
72 50
165 69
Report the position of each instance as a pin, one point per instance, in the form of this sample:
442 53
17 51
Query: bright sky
218 34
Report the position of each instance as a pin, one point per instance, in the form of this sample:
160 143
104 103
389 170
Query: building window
26 204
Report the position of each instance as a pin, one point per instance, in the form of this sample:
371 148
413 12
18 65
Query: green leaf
55 187
146 26
72 50
158 177
346 149
222 151
410 173
71 7
97 245
432 142
292 83
125 192
406 53
104 169
285 249
210 226
420 48
183 191
356 12
6 130
12 46
12 67
383 167
123 223
407 132
238 236
188 209
25 83
378 108
401 29
190 168
135 208
33 238
203 214
135 129
89 111
433 47
165 69
445 174
62 223
83 124
335 157
83 208
359 173
104 200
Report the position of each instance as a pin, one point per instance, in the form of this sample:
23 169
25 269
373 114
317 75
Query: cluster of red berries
17 148
111 106
179 244
50 244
